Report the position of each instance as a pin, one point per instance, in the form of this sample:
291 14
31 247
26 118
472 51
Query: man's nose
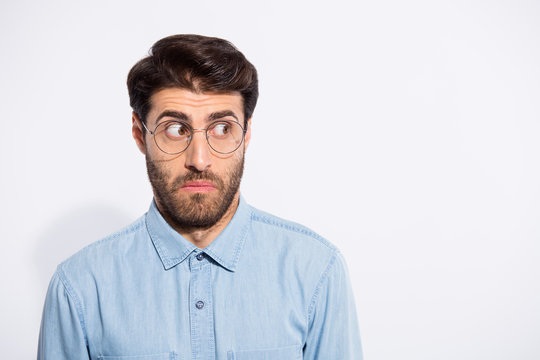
197 154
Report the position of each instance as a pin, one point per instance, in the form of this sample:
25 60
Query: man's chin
199 202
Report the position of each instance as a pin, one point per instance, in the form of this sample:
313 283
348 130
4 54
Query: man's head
191 82
196 63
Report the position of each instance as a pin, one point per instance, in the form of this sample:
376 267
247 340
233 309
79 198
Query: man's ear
247 137
137 132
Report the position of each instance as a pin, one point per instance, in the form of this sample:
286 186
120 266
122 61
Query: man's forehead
182 98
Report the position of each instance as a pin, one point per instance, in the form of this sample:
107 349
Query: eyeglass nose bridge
190 138
193 131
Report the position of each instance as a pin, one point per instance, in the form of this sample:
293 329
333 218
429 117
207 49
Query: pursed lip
198 186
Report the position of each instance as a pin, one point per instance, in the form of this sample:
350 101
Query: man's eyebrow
174 114
221 114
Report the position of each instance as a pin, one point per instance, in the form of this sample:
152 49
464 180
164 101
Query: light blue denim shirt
264 289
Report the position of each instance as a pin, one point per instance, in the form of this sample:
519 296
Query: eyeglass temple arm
143 124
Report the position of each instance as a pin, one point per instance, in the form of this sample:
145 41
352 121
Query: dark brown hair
196 63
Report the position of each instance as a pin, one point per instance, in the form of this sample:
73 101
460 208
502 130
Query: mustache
197 176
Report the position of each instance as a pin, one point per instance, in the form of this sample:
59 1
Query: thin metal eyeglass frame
193 131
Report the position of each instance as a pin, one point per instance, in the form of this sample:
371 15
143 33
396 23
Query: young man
202 275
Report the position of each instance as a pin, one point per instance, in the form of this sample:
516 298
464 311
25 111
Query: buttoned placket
201 311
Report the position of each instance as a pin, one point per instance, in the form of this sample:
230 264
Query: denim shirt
264 289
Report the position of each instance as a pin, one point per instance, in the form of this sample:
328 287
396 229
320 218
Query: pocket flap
163 356
284 353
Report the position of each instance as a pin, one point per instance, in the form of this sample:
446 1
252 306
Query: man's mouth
198 186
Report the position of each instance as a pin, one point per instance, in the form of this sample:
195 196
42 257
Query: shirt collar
173 248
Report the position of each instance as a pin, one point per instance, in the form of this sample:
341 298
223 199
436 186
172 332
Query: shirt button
200 256
199 304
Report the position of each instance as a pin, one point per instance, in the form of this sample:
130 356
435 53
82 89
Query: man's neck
204 237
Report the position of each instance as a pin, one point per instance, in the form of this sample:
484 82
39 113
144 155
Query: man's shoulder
97 255
290 233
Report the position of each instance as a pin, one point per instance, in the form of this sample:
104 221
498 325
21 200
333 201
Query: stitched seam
78 305
232 266
216 256
167 260
322 279
269 349
236 254
242 241
289 227
162 252
121 233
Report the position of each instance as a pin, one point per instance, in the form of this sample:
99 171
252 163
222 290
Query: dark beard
201 210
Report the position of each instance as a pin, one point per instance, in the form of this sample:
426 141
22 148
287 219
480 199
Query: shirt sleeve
333 327
61 334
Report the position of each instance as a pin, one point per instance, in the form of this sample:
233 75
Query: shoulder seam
136 225
78 305
322 279
297 229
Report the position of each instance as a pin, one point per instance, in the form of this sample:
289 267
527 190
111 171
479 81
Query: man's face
193 189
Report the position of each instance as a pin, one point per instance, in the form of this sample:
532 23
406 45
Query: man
202 275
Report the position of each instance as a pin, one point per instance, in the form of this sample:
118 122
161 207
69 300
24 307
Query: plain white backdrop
405 132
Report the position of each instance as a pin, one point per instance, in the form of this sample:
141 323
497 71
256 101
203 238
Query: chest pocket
285 353
165 356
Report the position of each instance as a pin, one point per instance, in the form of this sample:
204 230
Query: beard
199 210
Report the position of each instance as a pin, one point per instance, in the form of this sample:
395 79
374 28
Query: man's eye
177 130
220 129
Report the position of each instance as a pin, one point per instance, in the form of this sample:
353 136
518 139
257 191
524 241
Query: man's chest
203 313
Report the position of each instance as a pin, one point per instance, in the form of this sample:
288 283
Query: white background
405 132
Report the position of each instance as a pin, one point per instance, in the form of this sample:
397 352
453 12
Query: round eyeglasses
174 136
